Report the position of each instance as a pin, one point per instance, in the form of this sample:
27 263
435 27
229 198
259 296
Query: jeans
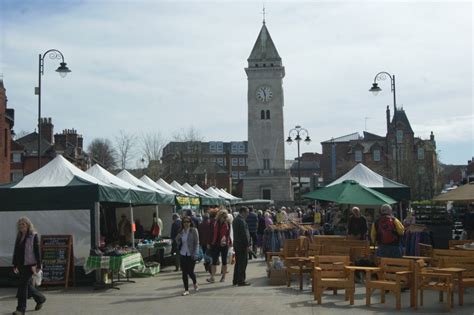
25 289
187 269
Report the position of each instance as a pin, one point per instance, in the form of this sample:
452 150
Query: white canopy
216 193
59 172
147 180
164 184
202 191
232 197
176 185
102 174
194 191
365 176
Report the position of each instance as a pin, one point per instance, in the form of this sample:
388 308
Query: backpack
386 231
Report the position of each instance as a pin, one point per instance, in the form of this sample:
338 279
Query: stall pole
132 225
98 274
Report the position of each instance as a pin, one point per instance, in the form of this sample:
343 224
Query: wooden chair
393 274
426 279
465 278
294 260
452 243
330 272
359 249
335 250
426 250
438 254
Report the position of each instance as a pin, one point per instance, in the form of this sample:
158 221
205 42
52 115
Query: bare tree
190 134
125 147
102 152
151 146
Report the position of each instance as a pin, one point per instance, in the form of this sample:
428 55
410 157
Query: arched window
268 114
262 114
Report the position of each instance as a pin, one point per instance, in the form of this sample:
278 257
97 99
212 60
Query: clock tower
266 177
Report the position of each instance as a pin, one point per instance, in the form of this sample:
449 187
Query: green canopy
350 192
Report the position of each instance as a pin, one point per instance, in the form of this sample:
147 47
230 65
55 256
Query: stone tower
266 177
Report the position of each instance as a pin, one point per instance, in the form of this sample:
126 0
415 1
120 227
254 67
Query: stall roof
185 192
147 180
162 197
59 185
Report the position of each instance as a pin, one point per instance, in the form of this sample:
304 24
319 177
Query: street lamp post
63 70
296 132
375 89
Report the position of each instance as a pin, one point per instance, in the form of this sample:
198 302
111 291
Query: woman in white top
188 244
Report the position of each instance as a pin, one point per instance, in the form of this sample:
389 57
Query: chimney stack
47 129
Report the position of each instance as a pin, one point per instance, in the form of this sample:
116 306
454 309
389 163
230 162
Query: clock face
264 94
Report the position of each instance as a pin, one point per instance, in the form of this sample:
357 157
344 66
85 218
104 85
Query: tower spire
263 13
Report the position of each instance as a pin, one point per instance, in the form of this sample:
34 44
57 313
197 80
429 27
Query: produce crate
277 276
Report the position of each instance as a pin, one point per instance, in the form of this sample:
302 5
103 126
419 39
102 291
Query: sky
163 67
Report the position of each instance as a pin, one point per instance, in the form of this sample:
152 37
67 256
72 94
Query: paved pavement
162 295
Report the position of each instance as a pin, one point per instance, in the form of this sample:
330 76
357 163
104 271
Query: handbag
223 241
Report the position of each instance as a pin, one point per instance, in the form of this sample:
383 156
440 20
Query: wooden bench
465 278
452 243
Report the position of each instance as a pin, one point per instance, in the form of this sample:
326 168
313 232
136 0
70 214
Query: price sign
57 259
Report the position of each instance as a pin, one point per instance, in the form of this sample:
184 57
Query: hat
386 209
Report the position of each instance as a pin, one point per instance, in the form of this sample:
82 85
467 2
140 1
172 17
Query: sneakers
210 280
185 293
196 287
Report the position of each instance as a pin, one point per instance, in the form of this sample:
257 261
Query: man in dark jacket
252 223
357 225
175 227
241 245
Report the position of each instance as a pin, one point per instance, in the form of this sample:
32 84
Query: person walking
241 245
188 244
387 233
252 223
220 244
260 231
26 262
204 230
175 228
357 225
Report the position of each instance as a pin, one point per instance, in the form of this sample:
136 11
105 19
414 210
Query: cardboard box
277 277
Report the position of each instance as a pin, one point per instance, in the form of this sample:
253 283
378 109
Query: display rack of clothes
276 234
415 234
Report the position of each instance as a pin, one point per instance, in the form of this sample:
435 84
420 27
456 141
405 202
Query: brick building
310 170
214 163
7 117
398 155
25 149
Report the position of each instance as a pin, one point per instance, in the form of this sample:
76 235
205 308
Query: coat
241 232
193 241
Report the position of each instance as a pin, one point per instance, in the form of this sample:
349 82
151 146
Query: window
234 147
358 156
212 147
220 147
268 114
421 153
16 157
242 174
376 155
235 174
220 161
266 164
399 136
241 161
241 147
16 176
234 161
266 194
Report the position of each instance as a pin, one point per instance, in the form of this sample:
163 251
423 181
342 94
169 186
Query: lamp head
298 138
63 70
307 140
289 140
375 89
